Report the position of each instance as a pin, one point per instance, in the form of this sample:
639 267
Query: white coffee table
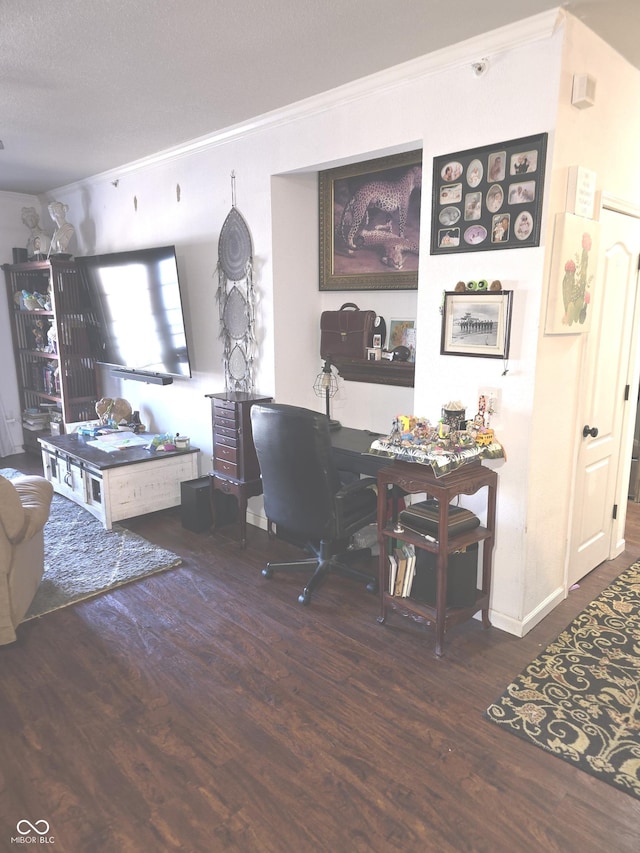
114 486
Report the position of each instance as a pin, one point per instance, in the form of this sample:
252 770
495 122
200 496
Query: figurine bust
64 230
39 241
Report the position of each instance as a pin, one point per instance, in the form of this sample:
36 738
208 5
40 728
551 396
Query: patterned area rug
580 699
82 559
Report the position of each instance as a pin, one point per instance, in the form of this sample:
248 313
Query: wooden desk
350 448
412 478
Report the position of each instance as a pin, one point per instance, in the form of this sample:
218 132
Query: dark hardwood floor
204 709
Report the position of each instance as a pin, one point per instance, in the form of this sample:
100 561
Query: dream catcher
236 300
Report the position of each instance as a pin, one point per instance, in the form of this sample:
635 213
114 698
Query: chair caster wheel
267 572
304 597
372 587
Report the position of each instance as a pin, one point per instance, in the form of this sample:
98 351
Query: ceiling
90 85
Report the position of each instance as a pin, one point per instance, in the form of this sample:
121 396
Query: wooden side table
413 478
235 463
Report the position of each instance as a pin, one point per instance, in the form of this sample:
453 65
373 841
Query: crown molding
527 31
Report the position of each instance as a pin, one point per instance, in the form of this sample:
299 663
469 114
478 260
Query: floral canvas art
574 266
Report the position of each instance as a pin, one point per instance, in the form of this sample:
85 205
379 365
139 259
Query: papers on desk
115 441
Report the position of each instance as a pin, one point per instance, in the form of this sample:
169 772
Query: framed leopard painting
370 224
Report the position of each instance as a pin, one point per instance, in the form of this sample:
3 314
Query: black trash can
195 504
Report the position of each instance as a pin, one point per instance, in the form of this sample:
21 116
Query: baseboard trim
256 520
521 627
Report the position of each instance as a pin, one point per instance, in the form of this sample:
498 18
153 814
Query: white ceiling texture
90 85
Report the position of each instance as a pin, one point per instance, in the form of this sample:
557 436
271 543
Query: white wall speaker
583 94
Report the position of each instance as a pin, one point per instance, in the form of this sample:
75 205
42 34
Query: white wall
436 103
604 138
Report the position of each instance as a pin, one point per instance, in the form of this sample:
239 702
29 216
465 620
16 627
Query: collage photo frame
489 198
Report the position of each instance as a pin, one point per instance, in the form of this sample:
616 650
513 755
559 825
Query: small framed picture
377 341
374 353
402 333
476 324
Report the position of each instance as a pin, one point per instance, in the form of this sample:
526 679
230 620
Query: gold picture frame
370 224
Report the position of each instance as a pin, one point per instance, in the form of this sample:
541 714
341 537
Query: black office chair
303 493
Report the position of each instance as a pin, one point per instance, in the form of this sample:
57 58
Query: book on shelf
410 571
401 559
402 570
393 571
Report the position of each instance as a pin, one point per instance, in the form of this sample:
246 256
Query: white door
605 376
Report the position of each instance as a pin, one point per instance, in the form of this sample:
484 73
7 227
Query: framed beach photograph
476 324
370 224
488 198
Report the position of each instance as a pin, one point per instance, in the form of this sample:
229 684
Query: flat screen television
138 304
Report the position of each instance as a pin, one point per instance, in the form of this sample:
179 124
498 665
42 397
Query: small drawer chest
235 464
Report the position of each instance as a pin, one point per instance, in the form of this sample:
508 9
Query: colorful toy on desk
479 427
161 442
452 433
408 429
88 430
485 437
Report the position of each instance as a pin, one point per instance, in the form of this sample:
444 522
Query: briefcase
346 333
423 517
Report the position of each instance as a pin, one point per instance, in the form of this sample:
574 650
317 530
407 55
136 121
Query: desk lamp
326 386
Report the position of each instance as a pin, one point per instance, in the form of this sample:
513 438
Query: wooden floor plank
203 709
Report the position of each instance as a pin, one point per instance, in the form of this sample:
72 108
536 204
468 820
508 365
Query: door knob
587 430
